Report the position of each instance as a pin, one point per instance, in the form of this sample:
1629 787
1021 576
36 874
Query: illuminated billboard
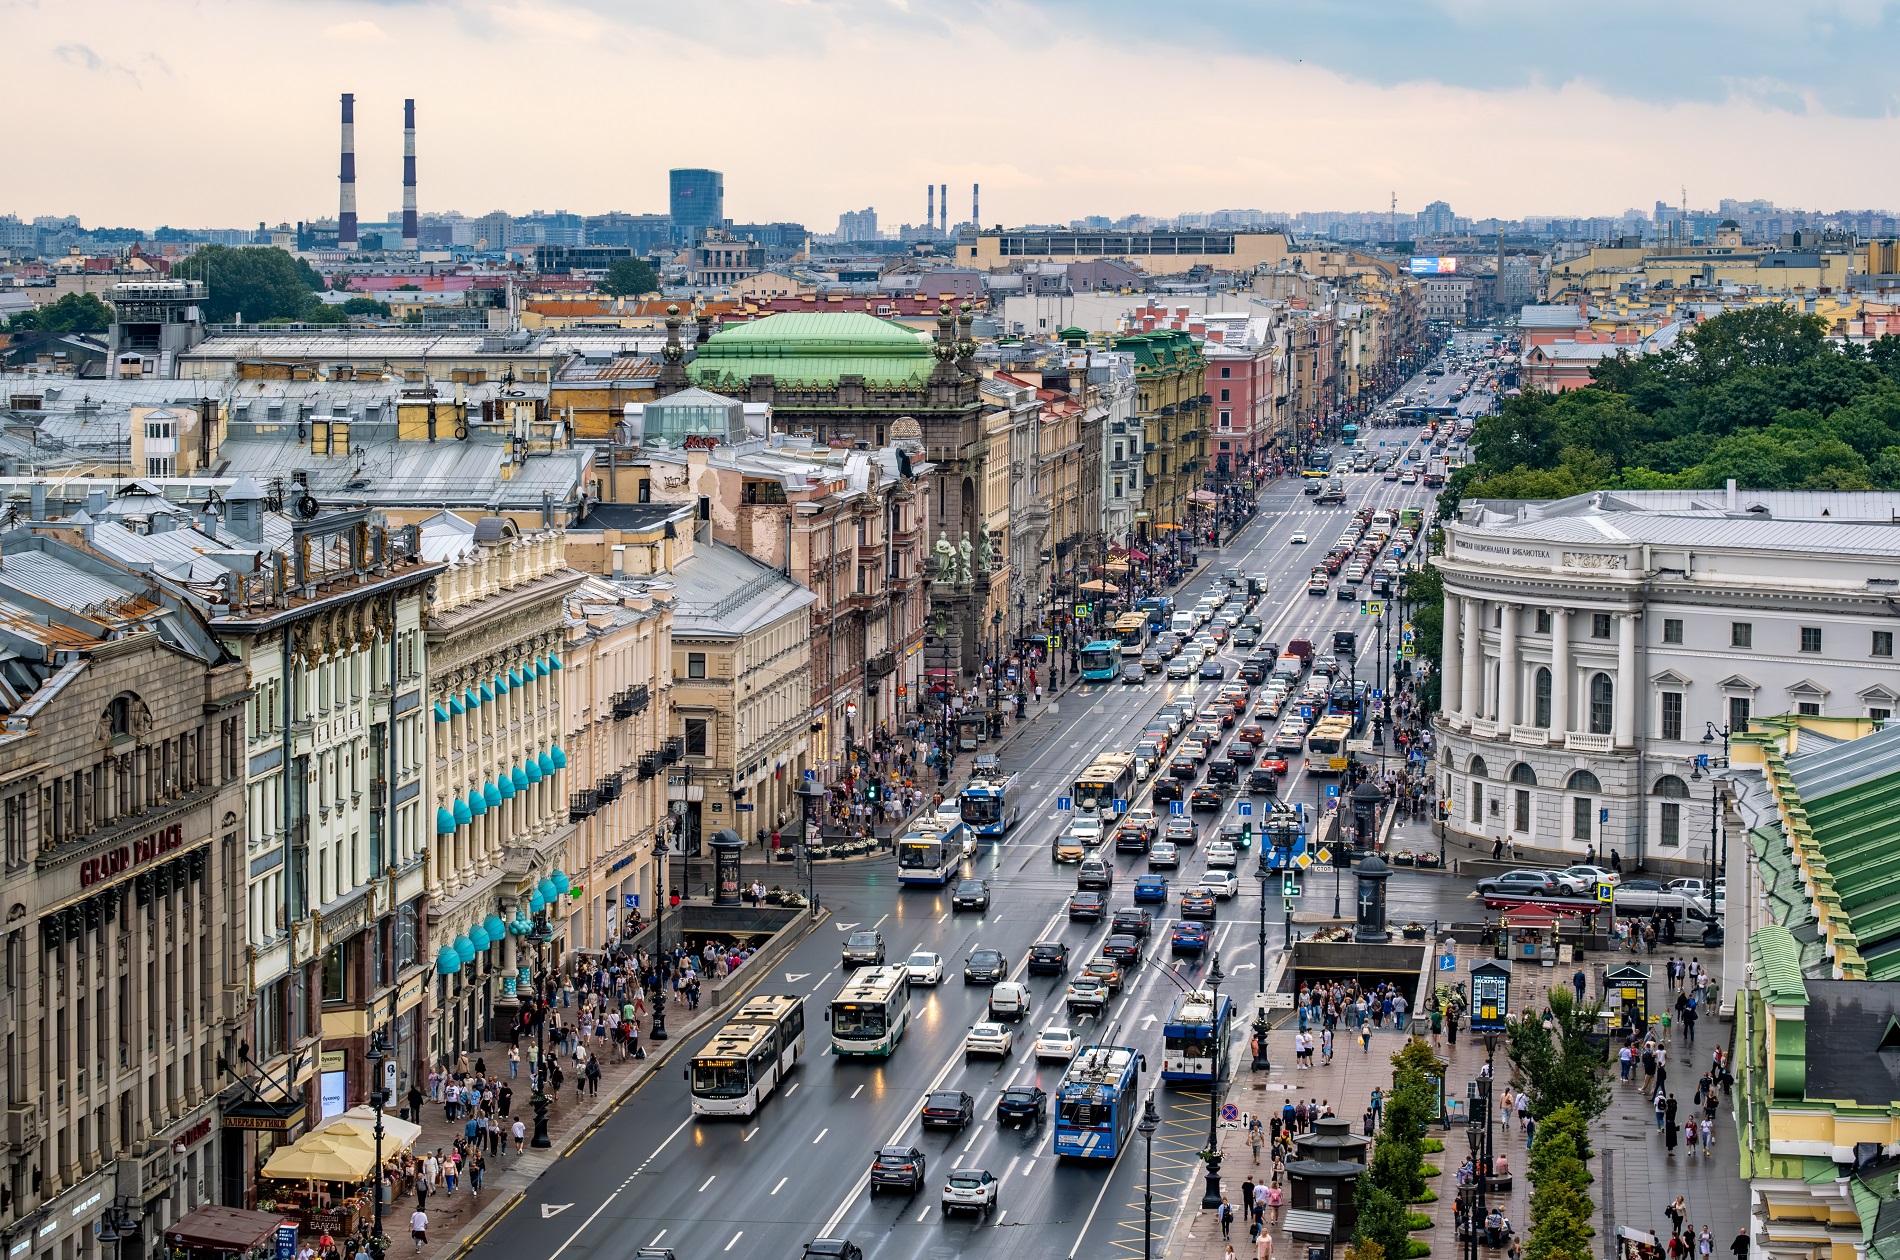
1434 266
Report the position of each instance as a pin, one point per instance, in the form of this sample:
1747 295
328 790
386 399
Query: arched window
1602 697
1540 691
1478 770
1669 785
1522 773
1583 805
1582 781
1673 792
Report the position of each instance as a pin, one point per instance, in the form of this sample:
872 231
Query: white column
1473 672
1626 684
1450 690
1559 672
1508 668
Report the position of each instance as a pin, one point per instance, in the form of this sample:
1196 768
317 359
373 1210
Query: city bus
1109 778
930 857
1101 660
1159 609
871 1012
1326 743
992 806
1097 1101
745 1060
1131 628
1197 1040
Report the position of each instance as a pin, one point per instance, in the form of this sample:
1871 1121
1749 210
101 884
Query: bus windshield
720 1078
982 809
1098 656
858 1021
922 853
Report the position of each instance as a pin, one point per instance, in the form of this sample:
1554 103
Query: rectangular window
1226 419
1741 634
1883 643
695 737
695 664
1737 714
1226 372
1521 811
1672 629
1477 801
1810 638
1670 831
1227 395
1880 715
1599 625
1672 715
1543 621
1582 814
1808 708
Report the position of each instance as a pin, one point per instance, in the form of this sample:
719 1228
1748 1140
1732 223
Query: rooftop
796 348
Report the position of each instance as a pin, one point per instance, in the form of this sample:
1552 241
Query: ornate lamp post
541 935
1210 1197
378 1099
1150 1121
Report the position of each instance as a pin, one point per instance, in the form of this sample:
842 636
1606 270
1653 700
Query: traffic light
870 790
1289 884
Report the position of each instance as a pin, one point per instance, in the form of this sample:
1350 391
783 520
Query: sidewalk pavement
1635 1182
457 1221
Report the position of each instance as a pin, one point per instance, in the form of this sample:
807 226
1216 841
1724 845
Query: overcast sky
224 112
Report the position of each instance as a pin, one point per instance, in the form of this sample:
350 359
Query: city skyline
1354 122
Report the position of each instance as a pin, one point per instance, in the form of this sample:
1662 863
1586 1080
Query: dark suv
1523 884
1095 873
948 1109
971 894
1086 905
1049 958
985 966
863 949
1123 948
898 1166
1132 922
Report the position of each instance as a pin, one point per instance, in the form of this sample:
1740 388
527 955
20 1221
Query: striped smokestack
930 206
346 193
410 237
976 219
944 209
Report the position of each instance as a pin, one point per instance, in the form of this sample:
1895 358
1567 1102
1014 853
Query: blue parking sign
811 774
1246 809
1176 807
1332 790
1064 803
1121 805
1378 693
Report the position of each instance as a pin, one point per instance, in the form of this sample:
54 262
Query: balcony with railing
672 750
648 766
631 701
609 787
582 804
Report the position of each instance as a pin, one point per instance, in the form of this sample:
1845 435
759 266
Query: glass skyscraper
697 200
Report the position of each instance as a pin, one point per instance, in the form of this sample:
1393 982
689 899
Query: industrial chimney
930 206
410 237
976 219
346 195
945 208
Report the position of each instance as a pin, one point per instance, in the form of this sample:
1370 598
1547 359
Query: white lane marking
1001 1215
1013 1161
707 1182
781 1184
748 1137
972 1142
656 1239
555 1255
794 1088
958 1164
821 1136
1029 1166
857 1091
943 916
921 1215
880 922
735 1240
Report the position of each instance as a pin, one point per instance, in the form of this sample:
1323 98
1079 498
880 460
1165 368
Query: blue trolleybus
1097 1101
992 806
1197 1040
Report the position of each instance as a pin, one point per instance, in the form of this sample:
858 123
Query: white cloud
359 32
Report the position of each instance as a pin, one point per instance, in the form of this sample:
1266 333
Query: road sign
1245 809
1407 651
1277 1001
633 900
286 1242
742 808
1378 693
1055 642
1605 893
1229 1113
1324 855
1065 803
1332 790
1405 632
1603 815
810 774
1304 860
1448 962
1375 608
1176 808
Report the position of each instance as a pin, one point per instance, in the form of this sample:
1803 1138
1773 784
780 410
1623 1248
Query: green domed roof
799 348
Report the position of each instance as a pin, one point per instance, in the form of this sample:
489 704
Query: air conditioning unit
23 1127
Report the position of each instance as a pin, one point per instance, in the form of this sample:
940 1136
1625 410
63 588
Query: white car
988 1038
969 1190
1141 816
1183 666
1056 1042
1588 876
1299 538
925 967
1087 830
1220 853
1222 884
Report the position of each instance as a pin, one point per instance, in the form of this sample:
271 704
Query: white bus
745 1060
871 1012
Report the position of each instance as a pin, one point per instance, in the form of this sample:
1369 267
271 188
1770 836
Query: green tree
629 277
1381 1219
1560 1063
366 306
1770 335
72 313
259 282
1560 1205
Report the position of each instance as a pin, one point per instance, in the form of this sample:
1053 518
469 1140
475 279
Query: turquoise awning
488 693
462 814
456 706
506 785
491 794
537 903
561 881
441 714
465 948
478 937
520 778
560 758
546 763
476 805
540 667
448 962
501 684
444 822
496 928
534 770
554 662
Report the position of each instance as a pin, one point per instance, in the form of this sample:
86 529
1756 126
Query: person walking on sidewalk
1226 1217
419 1228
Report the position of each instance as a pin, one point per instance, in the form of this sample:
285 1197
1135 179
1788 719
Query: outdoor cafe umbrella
1101 588
317 1157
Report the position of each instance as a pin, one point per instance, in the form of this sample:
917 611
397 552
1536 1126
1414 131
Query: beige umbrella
1102 588
317 1157
398 1134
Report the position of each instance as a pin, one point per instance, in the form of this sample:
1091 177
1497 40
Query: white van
1183 623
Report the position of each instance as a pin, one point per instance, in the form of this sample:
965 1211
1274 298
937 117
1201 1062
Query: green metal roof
807 349
1777 961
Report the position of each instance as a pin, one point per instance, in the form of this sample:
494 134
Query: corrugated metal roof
1777 960
416 474
1740 531
722 590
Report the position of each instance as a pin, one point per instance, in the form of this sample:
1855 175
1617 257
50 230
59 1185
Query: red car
1275 764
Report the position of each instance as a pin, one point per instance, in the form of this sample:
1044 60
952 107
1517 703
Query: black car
971 894
1132 922
863 949
1206 800
1241 753
1181 769
1252 671
985 966
1123 948
1152 661
1094 873
1131 839
1266 650
1166 790
1133 674
1022 1104
1196 904
832 1249
1086 907
1261 781
897 1166
1051 958
1224 771
948 1109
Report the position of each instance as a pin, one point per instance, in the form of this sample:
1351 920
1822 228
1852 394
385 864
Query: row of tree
1565 1073
1395 1177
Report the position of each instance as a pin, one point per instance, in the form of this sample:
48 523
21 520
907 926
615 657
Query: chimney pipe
976 218
930 206
38 500
410 237
944 209
346 179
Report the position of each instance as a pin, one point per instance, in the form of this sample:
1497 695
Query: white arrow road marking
793 977
553 1209
1147 1022
846 927
1246 966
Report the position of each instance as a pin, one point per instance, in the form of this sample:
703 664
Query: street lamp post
658 1032
1210 1197
1150 1121
809 794
378 1099
541 935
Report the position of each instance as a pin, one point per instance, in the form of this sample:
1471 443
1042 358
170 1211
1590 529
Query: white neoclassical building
1596 646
